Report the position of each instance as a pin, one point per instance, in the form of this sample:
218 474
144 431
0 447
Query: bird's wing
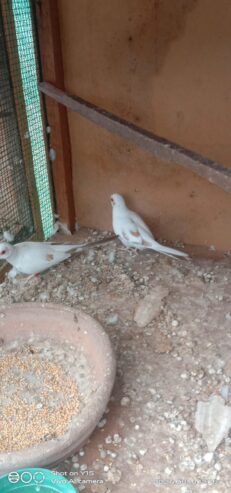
34 257
132 232
139 222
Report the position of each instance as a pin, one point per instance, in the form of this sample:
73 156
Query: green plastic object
35 481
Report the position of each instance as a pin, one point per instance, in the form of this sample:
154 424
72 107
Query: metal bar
162 148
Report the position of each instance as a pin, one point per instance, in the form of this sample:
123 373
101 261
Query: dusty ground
147 441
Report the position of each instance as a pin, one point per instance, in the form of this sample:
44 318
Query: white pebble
111 256
108 439
112 319
125 401
225 392
102 423
175 323
184 376
208 457
143 451
117 438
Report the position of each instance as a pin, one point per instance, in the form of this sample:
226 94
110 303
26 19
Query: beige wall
165 65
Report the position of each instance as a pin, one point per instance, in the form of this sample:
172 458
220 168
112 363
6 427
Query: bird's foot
32 276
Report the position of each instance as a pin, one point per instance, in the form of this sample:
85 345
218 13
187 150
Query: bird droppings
150 362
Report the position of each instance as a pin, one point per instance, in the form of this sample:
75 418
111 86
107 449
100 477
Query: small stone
184 376
81 453
94 280
114 475
113 455
208 457
111 257
143 451
225 392
108 439
168 471
217 466
102 423
198 459
39 405
175 323
125 401
112 319
106 468
150 306
117 438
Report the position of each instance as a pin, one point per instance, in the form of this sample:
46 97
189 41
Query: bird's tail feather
171 252
68 247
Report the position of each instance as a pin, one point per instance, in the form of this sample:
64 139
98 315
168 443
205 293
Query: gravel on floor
147 440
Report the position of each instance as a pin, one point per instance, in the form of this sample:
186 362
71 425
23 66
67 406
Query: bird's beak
112 202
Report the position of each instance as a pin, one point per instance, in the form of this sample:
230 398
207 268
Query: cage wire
25 192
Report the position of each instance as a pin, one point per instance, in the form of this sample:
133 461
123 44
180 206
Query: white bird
132 230
31 257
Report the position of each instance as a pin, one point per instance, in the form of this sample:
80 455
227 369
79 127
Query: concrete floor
147 440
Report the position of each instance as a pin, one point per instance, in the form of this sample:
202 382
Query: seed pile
38 397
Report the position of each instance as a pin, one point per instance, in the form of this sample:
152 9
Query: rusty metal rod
161 148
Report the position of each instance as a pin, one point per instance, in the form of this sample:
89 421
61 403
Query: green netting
15 210
28 66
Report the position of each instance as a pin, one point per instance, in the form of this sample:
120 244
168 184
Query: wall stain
169 22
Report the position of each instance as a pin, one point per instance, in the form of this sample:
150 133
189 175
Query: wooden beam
161 148
52 70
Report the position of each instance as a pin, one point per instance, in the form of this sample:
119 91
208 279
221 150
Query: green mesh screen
15 210
25 138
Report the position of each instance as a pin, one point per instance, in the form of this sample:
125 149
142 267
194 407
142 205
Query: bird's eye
3 252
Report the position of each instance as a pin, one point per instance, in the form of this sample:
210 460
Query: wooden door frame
48 28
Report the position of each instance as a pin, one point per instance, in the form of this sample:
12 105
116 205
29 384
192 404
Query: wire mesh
25 188
15 210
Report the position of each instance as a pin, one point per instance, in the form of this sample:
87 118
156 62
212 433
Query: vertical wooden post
52 71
